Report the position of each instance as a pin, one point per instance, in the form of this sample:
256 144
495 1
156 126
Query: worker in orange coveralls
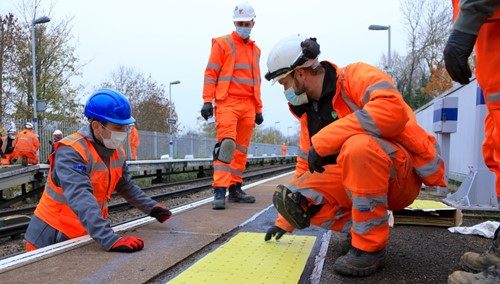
361 152
283 149
232 81
477 25
134 141
26 146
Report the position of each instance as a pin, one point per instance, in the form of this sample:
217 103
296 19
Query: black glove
456 55
259 118
161 213
207 110
315 161
274 231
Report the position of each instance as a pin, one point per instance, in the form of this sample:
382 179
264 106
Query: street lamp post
276 122
37 21
171 120
383 28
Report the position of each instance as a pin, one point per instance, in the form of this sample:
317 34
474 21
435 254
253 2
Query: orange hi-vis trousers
371 176
488 77
235 119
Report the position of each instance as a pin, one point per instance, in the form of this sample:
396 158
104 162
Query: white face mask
115 140
12 137
295 99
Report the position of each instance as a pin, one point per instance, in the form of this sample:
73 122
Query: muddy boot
219 202
24 161
489 276
359 263
475 262
238 195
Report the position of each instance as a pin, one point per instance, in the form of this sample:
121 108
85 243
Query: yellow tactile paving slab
247 258
428 205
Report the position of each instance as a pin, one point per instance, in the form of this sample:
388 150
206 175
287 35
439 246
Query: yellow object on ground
247 258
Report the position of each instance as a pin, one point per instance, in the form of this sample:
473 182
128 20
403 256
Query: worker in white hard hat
231 92
26 146
56 136
362 152
7 147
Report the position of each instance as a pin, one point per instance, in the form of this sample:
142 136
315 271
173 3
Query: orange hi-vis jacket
27 143
233 69
134 137
53 207
362 105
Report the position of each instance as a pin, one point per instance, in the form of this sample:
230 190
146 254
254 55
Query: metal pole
35 118
171 143
389 62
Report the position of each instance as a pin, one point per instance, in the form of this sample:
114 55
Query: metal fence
153 145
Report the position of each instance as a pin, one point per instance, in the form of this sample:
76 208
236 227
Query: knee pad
224 150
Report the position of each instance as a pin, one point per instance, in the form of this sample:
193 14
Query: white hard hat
11 131
243 12
28 125
290 53
57 132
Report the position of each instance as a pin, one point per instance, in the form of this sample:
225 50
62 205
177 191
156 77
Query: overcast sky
171 40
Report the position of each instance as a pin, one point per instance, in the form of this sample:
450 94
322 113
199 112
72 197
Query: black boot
238 195
359 263
219 202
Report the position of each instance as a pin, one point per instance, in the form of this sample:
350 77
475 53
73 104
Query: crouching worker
85 168
362 152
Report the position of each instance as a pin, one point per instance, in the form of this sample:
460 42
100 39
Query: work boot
488 276
219 202
359 263
475 262
24 161
345 245
238 195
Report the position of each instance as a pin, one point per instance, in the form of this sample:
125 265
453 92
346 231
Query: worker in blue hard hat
83 167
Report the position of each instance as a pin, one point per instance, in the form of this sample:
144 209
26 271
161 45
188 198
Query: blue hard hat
109 105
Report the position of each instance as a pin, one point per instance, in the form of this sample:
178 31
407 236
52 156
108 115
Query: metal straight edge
13 262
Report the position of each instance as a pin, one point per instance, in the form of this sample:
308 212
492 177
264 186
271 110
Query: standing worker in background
85 169
134 141
362 152
232 80
283 149
26 146
56 136
477 22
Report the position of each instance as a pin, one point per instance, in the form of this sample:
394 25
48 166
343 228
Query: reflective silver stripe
367 123
214 66
302 154
384 85
225 78
209 80
431 167
231 44
371 202
242 149
242 66
227 169
493 97
54 195
391 152
327 224
365 227
242 81
352 106
315 196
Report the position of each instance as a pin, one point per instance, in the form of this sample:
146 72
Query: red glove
128 244
161 213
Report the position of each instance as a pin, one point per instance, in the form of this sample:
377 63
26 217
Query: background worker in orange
232 80
26 146
361 152
134 141
477 23
85 169
283 149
